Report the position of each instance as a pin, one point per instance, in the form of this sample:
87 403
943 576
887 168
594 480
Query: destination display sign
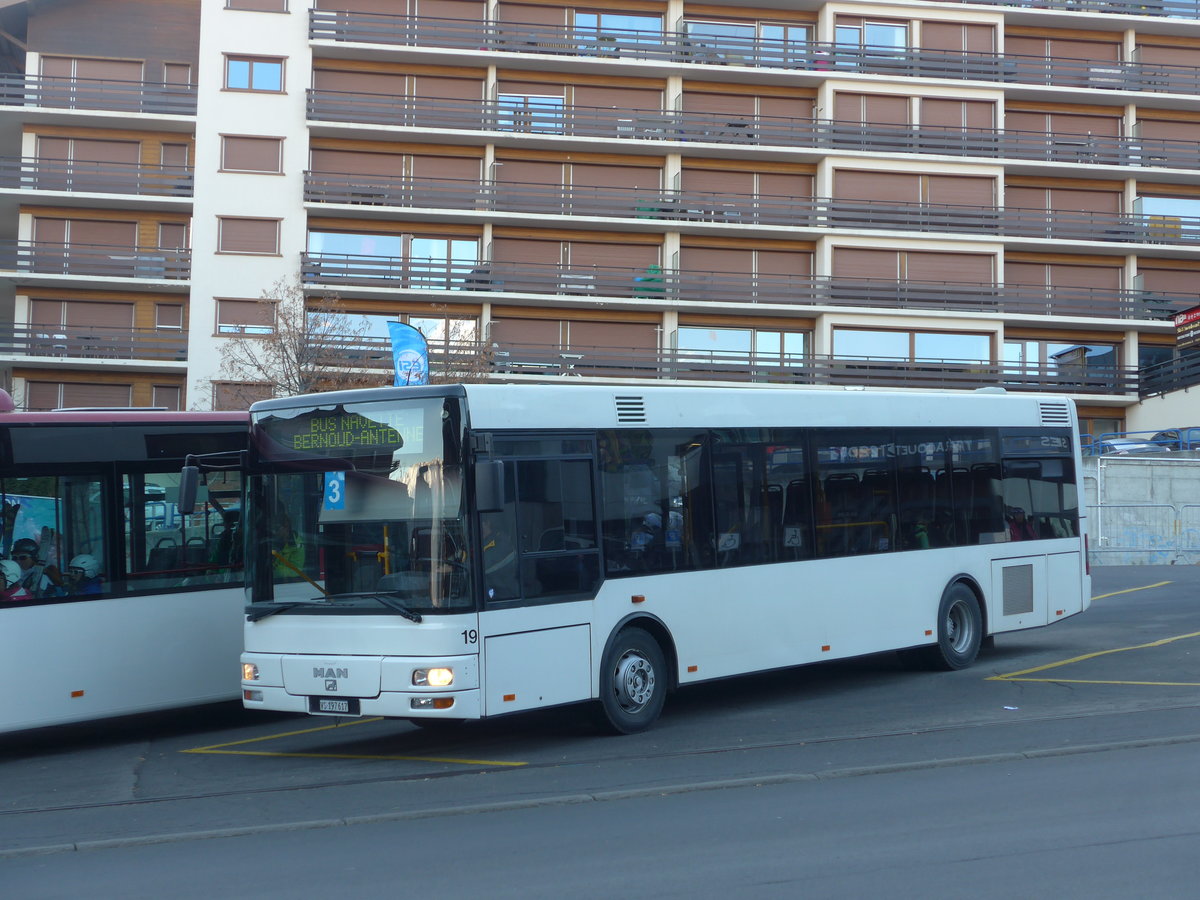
337 431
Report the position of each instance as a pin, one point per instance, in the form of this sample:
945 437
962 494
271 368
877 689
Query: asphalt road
1060 765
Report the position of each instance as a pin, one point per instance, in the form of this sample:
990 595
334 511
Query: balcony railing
550 360
813 56
686 128
114 96
43 258
90 342
32 174
339 271
1172 375
725 209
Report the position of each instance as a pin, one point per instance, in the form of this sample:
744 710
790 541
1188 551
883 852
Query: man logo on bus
330 686
330 672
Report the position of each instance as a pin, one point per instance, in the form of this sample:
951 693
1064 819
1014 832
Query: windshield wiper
261 611
388 599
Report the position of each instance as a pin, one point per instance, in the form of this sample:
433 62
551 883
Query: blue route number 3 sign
335 490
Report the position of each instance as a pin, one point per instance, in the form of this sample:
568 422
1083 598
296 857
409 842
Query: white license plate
333 706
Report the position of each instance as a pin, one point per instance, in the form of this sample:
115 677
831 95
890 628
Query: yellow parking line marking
1099 681
272 737
220 749
1131 590
1016 676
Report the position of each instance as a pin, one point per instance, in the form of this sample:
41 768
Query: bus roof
121 417
583 406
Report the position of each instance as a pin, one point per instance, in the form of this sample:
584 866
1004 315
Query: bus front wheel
959 630
633 682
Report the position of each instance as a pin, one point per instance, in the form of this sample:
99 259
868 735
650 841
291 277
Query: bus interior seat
195 551
163 556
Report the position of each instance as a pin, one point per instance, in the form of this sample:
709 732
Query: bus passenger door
540 563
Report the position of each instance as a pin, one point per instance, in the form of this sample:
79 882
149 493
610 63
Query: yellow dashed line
1019 676
219 749
1131 590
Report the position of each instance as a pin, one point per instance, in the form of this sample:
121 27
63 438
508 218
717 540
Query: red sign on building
1187 328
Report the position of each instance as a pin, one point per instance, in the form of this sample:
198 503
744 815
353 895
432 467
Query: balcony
691 133
676 207
96 260
32 174
820 58
89 342
543 361
35 91
701 290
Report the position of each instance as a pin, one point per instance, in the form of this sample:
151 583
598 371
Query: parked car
1179 438
1126 446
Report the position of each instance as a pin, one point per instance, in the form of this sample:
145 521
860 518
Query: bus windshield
360 507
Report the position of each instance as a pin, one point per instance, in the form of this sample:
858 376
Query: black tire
633 683
959 630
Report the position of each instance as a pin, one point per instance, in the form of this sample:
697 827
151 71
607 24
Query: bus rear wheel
959 630
633 682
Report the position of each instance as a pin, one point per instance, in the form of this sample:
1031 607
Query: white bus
454 552
112 602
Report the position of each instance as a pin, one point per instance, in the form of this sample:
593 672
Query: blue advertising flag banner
410 354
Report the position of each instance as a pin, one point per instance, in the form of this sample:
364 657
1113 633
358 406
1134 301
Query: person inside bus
83 576
1019 527
499 559
286 549
13 590
38 578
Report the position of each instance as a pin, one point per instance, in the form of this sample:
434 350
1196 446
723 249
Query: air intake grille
1018 590
631 410
1055 414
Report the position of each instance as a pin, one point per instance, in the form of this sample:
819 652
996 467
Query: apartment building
906 194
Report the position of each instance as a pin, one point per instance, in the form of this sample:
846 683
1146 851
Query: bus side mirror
489 486
189 482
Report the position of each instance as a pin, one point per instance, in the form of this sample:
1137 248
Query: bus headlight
437 677
249 671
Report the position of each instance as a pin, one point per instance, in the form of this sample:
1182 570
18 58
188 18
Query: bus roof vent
631 410
1055 414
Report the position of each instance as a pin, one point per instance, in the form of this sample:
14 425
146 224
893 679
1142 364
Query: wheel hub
635 682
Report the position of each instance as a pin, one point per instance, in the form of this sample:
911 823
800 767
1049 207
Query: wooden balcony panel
114 96
87 342
680 47
636 125
89 177
556 360
27 257
614 282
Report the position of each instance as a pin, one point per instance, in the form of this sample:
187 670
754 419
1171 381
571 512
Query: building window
726 344
248 236
909 346
245 316
168 316
231 395
251 154
177 74
432 262
172 236
43 395
530 113
870 35
251 73
167 396
258 5
1059 356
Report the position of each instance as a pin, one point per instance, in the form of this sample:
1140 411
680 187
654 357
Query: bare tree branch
305 351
